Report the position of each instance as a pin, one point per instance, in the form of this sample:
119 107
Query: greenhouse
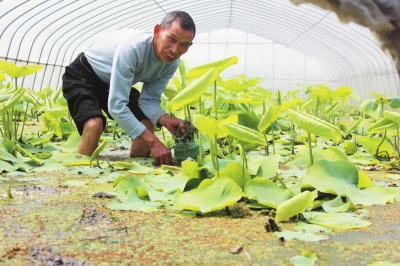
200 132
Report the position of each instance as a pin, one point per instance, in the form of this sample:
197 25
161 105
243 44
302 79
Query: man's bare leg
92 130
139 147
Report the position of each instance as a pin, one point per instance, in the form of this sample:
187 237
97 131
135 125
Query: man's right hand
161 154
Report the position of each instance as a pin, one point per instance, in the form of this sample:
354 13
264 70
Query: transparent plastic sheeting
283 43
381 16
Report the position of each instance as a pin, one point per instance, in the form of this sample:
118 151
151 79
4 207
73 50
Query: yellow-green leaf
194 90
218 65
294 206
15 71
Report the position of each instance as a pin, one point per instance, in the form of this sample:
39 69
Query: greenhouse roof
54 32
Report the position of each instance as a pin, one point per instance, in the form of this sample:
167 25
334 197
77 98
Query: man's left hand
172 123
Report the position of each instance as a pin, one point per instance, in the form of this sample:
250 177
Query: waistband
88 67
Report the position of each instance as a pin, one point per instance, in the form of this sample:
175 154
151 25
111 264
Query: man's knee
94 124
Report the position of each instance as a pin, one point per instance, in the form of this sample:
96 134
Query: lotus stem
215 99
23 124
200 156
216 155
396 140
377 148
273 138
266 141
9 195
189 118
310 148
293 136
244 163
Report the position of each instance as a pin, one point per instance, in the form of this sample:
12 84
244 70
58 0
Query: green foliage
221 193
18 71
294 206
236 119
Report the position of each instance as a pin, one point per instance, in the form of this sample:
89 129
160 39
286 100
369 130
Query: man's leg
140 148
92 130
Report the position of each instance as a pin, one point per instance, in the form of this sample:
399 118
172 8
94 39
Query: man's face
171 43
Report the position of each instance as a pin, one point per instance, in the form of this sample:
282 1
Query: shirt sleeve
125 59
150 97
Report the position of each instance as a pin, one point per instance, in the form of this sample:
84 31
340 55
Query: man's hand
161 154
172 123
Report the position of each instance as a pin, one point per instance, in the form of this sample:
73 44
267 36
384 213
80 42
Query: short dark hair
185 20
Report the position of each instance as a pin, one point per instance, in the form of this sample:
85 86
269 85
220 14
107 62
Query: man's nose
174 48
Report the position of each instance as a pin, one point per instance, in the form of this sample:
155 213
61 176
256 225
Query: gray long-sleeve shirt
122 59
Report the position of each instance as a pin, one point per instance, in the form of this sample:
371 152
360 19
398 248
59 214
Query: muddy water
50 223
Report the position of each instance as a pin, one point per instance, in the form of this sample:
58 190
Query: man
101 78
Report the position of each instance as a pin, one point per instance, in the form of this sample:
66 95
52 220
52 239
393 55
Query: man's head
173 37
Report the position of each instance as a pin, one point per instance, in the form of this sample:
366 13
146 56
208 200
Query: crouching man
101 78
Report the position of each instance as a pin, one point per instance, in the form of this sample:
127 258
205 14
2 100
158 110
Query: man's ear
157 29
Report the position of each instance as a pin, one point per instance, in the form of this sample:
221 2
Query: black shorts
87 94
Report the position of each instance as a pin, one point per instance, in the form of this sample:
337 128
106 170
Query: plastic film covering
283 43
381 16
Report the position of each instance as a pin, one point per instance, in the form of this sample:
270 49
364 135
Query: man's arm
122 74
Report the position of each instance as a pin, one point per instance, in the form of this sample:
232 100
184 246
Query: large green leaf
166 182
12 101
337 205
7 167
333 107
382 125
373 195
371 107
356 125
221 193
18 71
185 150
266 192
336 220
370 145
219 66
339 178
289 104
239 83
132 202
233 98
315 125
302 236
294 206
243 133
144 189
235 171
394 102
331 154
394 116
343 92
183 73
269 117
194 90
211 126
307 105
264 166
322 92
